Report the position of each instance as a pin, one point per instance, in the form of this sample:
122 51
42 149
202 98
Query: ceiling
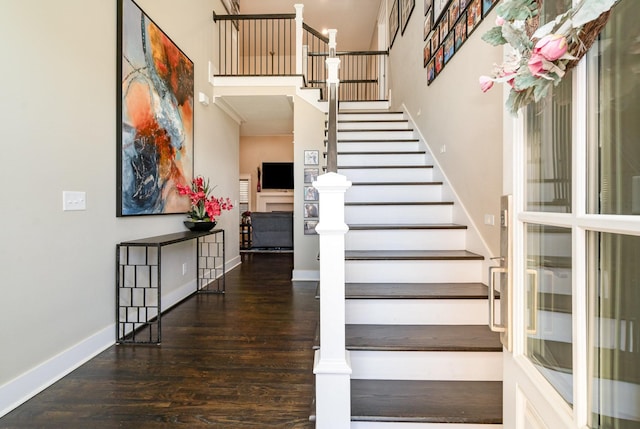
355 21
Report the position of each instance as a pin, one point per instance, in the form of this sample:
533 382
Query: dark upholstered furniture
272 229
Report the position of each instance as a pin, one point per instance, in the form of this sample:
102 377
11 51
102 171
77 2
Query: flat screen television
277 175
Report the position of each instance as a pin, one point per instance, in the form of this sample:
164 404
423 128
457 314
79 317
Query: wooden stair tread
460 338
367 167
378 141
478 402
389 255
382 130
352 121
396 183
400 203
367 227
404 152
416 291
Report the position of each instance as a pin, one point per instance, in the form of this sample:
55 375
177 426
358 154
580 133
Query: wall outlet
184 269
443 148
489 219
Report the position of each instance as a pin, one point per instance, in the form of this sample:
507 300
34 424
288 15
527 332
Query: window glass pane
614 331
548 326
548 136
614 109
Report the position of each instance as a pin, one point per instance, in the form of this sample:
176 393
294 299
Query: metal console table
138 280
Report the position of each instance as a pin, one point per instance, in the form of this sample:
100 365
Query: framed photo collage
447 25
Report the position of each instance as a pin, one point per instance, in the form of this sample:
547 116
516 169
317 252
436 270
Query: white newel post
332 365
299 34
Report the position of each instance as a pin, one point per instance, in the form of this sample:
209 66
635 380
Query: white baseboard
305 275
34 381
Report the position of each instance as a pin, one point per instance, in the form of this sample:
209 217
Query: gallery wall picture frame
453 22
474 15
394 22
426 53
449 47
311 210
431 70
311 174
310 227
310 193
428 24
439 6
154 115
406 9
311 157
427 6
461 30
487 5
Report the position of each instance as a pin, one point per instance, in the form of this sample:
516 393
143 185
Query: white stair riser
375 135
378 146
364 105
406 239
393 193
432 271
388 174
370 116
426 365
371 125
383 159
398 214
408 425
417 312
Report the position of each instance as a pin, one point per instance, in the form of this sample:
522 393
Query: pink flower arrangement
203 206
537 62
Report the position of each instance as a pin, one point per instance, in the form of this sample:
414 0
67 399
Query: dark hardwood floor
243 360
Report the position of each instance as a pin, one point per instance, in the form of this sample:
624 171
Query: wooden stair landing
471 402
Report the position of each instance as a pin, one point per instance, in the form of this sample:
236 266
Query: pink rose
551 47
500 21
536 64
486 83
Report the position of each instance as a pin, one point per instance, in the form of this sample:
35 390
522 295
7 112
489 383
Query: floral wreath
541 56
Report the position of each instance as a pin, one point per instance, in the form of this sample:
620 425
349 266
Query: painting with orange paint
155 110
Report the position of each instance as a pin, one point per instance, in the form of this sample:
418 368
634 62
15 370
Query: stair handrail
333 81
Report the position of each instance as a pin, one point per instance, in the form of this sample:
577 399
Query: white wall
308 125
58 108
453 112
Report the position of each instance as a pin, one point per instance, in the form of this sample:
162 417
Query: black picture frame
154 117
394 22
428 24
406 10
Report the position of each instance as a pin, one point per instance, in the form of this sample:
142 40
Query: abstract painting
154 115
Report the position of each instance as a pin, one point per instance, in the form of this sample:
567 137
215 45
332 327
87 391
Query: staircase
421 352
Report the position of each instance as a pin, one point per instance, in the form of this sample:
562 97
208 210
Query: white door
574 174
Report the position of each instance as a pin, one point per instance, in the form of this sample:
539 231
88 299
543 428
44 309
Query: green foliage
494 37
517 10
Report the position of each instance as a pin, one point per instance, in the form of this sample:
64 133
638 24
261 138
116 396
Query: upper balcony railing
283 45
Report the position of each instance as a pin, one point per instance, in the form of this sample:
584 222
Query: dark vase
199 225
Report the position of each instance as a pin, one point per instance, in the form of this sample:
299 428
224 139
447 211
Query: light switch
74 200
